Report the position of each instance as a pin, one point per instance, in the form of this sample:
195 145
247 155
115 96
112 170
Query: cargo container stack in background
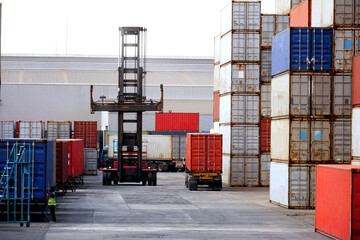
58 130
310 98
7 129
30 129
270 26
239 92
87 131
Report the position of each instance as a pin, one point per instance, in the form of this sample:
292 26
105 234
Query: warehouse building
57 88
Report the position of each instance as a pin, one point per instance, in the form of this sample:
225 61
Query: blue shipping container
43 155
302 50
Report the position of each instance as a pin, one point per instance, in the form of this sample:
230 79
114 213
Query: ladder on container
15 190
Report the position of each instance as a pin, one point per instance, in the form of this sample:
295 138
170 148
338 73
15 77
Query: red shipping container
177 122
265 134
75 156
86 130
356 81
204 152
337 212
216 111
62 173
300 16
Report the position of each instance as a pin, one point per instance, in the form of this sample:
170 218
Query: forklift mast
130 103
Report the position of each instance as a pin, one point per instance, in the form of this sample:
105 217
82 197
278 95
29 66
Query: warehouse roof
102 70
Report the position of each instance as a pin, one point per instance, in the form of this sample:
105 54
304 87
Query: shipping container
157 147
172 133
177 122
204 152
240 16
265 134
87 131
90 161
106 134
302 50
282 7
75 156
356 81
300 141
240 140
346 46
240 47
216 110
337 201
62 172
58 130
65 128
7 129
271 25
292 186
43 167
265 96
265 170
217 78
295 3
341 142
31 129
216 127
241 171
239 78
178 147
266 65
301 95
355 133
300 16
342 95
244 109
217 49
335 13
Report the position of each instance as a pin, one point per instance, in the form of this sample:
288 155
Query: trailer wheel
193 186
116 182
143 182
162 167
154 182
217 186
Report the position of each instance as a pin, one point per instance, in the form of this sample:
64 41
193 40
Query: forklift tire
143 182
104 181
116 182
150 183
193 186
109 178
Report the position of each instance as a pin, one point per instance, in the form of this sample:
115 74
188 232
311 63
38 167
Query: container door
355 221
321 50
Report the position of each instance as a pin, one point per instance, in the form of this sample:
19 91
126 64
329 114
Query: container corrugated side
216 110
157 147
266 65
65 130
342 95
62 173
52 130
265 134
265 170
346 45
240 47
241 16
86 130
302 50
265 96
356 81
90 161
43 167
31 129
341 141
7 129
331 13
355 133
217 49
177 122
245 171
239 78
272 25
292 186
178 147
217 77
245 108
300 16
204 152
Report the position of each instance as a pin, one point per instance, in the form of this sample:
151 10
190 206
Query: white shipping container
225 109
282 7
216 127
158 147
52 130
90 161
226 168
241 171
355 133
265 170
265 100
178 147
240 16
292 186
271 25
341 148
240 47
331 13
342 103
300 141
31 129
290 95
65 130
217 49
217 78
345 48
7 129
239 78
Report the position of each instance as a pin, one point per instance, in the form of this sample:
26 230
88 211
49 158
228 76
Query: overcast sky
90 27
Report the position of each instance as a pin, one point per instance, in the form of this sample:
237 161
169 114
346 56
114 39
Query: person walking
52 204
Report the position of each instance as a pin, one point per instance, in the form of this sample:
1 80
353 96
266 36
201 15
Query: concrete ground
167 211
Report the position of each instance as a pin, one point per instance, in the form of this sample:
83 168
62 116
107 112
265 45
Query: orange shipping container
216 110
86 130
300 16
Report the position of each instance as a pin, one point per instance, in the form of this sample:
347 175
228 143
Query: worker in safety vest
52 204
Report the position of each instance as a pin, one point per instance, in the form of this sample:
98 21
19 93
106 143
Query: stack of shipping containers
310 97
270 26
58 130
239 92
